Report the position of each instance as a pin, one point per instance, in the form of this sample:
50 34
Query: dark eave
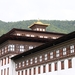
6 37
24 30
49 44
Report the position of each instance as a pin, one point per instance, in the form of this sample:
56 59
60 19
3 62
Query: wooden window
34 71
64 51
4 71
35 59
62 65
72 49
49 67
40 58
23 63
26 62
11 47
30 47
51 55
22 73
1 72
2 51
16 66
19 64
69 63
29 71
21 48
31 61
55 66
25 72
46 56
39 70
44 69
18 73
7 71
6 49
57 53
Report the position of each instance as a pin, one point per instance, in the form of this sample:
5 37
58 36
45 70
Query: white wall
65 71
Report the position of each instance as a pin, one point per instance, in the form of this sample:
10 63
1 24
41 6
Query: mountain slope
55 25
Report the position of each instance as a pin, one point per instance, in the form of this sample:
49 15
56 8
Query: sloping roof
24 30
6 37
49 44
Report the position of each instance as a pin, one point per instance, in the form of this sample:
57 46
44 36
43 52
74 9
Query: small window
56 66
30 47
62 65
18 34
35 59
51 55
45 56
26 62
57 53
64 51
40 58
72 49
70 63
31 61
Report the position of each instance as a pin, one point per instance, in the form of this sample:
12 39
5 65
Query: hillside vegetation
55 25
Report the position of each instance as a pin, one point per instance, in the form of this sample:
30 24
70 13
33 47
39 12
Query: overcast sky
18 10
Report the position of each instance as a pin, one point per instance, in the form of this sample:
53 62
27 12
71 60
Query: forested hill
55 25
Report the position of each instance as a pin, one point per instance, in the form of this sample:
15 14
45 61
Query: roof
6 37
49 44
38 23
24 30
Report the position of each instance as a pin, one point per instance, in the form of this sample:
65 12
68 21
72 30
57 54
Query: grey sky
18 10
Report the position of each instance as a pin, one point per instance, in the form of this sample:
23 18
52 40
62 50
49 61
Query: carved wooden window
16 66
21 48
51 55
40 58
44 69
70 63
72 49
49 67
39 70
57 53
62 65
46 56
55 66
31 61
23 63
11 47
3 51
26 62
19 64
30 47
64 51
6 49
35 59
